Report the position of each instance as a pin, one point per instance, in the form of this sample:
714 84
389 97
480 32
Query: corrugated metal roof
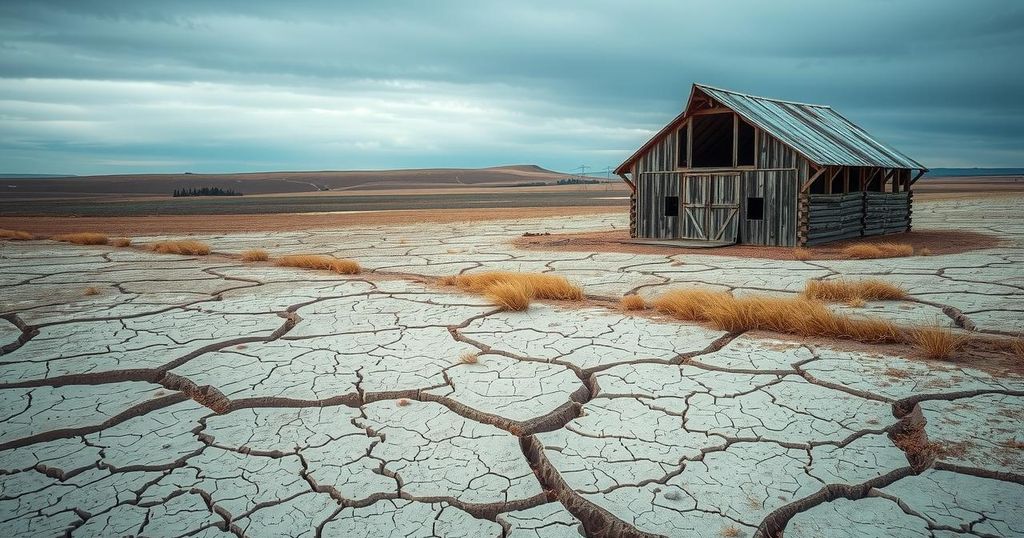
818 132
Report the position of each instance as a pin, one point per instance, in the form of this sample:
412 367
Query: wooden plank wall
886 212
661 157
779 189
831 217
652 188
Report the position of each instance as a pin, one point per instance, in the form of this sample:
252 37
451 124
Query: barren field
199 394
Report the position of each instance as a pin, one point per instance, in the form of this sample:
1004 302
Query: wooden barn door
711 205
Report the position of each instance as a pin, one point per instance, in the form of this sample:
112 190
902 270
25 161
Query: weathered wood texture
832 217
779 189
886 212
651 190
632 214
661 157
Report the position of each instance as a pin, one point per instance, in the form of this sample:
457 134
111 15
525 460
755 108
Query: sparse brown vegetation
255 255
121 242
732 531
802 254
856 302
83 238
15 235
793 315
925 251
937 343
91 290
321 262
633 302
844 291
1017 347
507 288
469 357
402 402
187 247
866 251
513 295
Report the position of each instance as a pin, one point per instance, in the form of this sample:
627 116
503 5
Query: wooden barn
735 168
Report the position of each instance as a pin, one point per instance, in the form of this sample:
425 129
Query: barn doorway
711 207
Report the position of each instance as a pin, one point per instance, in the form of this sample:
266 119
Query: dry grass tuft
15 235
91 290
121 242
255 255
402 402
83 238
937 343
802 254
732 531
840 291
536 285
925 251
187 247
469 357
792 315
633 302
1017 347
321 262
515 295
856 302
866 251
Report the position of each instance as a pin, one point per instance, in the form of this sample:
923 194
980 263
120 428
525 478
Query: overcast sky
168 86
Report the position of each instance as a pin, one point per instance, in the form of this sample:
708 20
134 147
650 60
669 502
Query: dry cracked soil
201 396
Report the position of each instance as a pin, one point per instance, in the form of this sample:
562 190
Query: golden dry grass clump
322 262
793 315
937 343
514 291
255 255
633 302
91 290
187 247
802 254
866 251
121 242
924 252
83 238
15 235
845 291
469 357
514 296
1017 347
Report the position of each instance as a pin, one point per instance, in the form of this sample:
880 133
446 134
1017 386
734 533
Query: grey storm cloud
108 87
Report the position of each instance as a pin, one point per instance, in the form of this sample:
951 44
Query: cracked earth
205 396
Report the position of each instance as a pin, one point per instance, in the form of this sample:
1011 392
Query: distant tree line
577 181
205 191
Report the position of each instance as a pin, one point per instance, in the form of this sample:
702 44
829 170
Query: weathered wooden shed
735 168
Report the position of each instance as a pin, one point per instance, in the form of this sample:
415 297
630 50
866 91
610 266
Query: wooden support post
807 184
917 177
846 179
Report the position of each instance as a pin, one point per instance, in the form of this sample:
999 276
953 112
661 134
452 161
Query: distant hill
31 176
281 182
974 172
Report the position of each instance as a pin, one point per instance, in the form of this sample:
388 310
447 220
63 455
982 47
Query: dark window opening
745 144
755 208
712 141
681 148
671 206
818 187
837 183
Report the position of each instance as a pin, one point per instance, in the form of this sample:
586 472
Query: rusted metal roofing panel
816 131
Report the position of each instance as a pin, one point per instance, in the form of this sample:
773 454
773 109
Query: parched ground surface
204 396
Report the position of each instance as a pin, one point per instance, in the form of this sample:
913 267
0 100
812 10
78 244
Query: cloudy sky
157 86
